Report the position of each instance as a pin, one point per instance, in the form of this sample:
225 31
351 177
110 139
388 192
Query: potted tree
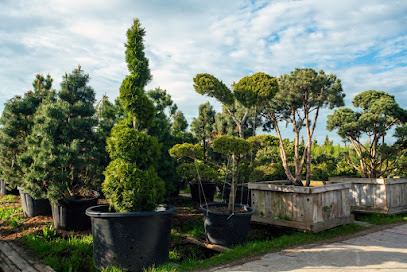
133 232
225 224
301 96
200 178
17 123
375 161
62 162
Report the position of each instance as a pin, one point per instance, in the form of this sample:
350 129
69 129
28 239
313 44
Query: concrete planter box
371 195
306 208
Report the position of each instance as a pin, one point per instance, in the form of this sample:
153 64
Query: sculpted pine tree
131 181
249 92
379 113
301 94
61 159
17 123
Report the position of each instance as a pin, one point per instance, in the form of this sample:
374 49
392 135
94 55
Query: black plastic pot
132 241
224 229
4 191
70 215
33 207
2 187
175 193
242 196
199 195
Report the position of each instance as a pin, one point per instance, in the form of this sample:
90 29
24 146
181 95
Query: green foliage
17 221
213 87
302 93
133 146
378 113
62 159
202 126
16 124
186 150
195 172
137 63
169 128
131 181
130 189
8 213
250 90
230 145
49 232
247 94
136 103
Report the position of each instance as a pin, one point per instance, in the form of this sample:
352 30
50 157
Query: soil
224 209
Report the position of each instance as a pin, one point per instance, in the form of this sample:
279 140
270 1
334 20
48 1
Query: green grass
381 219
255 248
63 255
8 199
8 213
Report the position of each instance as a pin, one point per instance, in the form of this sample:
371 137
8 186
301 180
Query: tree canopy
301 93
249 92
366 130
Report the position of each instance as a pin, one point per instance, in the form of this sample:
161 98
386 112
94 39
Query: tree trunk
233 187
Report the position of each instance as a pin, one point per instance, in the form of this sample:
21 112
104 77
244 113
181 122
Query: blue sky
363 42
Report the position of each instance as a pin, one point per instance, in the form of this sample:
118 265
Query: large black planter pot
131 241
4 191
33 207
71 215
223 229
242 196
197 194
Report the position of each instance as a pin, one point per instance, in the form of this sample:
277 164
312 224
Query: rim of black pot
90 212
250 210
205 182
83 201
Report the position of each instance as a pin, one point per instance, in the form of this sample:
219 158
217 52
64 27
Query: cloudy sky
363 42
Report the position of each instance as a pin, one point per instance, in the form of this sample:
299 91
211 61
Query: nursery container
33 207
70 215
225 229
306 208
131 241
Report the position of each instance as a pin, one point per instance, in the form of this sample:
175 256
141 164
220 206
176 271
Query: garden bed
387 196
306 208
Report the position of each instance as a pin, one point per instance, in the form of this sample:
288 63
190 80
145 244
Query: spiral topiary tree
131 181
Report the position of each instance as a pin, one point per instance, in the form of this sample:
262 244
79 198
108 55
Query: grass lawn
69 251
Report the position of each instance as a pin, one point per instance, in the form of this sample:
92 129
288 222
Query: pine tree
17 123
62 158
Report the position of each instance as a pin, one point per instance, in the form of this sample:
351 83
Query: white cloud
364 43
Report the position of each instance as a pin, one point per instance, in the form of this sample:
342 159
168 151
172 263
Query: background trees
169 128
366 130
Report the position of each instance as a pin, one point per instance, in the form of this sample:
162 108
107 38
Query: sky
363 42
